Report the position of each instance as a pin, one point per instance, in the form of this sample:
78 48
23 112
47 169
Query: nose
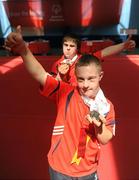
68 47
85 84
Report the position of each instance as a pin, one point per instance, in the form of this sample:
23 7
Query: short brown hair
72 37
88 59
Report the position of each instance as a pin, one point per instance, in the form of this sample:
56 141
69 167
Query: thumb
18 29
129 37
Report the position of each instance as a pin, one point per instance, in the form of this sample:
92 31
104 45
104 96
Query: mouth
85 92
86 89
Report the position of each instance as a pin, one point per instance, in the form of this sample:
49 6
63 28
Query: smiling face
88 79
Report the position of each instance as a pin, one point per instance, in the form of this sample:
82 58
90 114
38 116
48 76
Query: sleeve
55 65
50 88
110 119
54 69
98 54
54 89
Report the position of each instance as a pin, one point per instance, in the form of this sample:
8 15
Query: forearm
111 50
104 135
33 66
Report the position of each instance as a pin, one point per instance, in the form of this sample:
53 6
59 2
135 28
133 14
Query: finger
129 37
88 117
63 68
18 29
102 119
93 120
132 46
64 65
7 48
63 72
7 42
96 122
60 66
133 43
66 70
11 39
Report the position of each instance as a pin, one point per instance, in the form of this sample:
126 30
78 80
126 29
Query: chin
88 95
68 56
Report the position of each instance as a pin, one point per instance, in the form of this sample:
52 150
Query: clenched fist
15 43
63 68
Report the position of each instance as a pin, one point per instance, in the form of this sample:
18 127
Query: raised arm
115 49
14 42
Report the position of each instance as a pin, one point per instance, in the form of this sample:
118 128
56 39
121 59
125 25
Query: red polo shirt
70 120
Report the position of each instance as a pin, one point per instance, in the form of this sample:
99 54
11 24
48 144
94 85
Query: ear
101 75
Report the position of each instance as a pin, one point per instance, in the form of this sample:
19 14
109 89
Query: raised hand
129 44
14 42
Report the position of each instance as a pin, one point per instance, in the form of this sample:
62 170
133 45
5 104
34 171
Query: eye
65 44
93 78
80 79
72 45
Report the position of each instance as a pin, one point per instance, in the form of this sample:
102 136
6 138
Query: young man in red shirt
85 117
64 68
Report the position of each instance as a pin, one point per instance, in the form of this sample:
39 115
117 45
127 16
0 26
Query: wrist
23 49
